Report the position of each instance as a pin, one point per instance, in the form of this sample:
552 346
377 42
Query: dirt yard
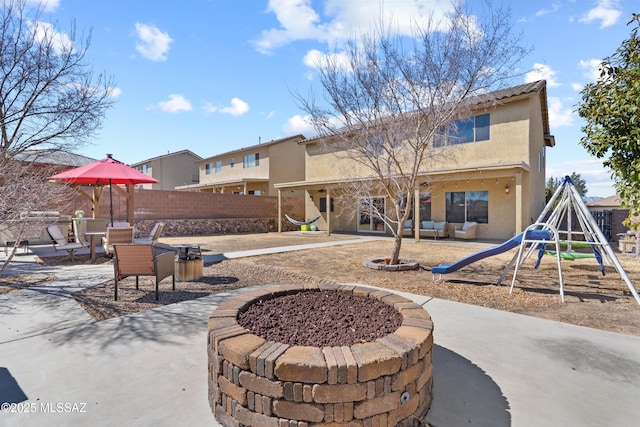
593 300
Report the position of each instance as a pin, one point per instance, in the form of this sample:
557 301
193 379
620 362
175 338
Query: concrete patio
491 368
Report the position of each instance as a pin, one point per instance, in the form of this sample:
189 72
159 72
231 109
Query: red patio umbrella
103 172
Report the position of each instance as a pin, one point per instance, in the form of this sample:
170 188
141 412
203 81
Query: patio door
370 213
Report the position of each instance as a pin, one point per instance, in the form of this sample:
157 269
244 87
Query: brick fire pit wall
254 382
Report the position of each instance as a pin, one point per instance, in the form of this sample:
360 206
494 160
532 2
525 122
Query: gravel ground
592 300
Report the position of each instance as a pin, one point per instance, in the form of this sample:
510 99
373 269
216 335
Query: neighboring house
58 159
496 177
252 170
610 215
171 170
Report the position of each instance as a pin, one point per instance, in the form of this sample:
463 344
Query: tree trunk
397 243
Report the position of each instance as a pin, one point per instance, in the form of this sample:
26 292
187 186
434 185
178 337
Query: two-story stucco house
494 173
171 170
252 170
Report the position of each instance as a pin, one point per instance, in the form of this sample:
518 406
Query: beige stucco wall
172 171
279 162
510 157
287 164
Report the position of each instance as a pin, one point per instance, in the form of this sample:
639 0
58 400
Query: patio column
279 211
328 211
416 212
244 191
519 201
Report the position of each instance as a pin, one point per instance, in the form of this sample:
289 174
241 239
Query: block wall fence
192 213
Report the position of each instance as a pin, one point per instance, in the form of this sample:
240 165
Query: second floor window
462 131
251 160
218 166
208 168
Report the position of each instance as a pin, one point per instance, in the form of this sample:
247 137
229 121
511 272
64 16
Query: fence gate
603 219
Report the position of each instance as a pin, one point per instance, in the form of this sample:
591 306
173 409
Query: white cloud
316 59
175 104
44 32
596 176
237 108
299 125
114 92
342 18
153 44
607 12
540 72
554 8
47 5
558 114
591 69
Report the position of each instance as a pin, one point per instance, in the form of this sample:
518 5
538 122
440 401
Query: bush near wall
203 227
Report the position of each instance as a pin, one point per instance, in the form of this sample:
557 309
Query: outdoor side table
92 241
189 263
9 243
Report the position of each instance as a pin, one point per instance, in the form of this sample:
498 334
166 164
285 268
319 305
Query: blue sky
217 75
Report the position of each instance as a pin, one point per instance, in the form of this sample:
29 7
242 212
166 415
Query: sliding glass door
370 213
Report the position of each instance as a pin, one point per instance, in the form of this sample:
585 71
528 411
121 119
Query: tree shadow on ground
169 324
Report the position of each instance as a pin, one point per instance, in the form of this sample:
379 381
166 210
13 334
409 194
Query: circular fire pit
261 381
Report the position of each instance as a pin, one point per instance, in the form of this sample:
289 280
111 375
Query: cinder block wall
168 204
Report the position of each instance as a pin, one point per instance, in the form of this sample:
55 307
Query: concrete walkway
491 368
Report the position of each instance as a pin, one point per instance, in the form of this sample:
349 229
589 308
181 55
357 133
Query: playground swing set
550 232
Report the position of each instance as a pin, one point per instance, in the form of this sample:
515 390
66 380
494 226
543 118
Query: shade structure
107 171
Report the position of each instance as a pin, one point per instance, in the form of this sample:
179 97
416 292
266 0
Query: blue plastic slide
495 250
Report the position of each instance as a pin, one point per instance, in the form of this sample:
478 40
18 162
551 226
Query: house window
251 160
323 204
208 168
467 206
218 166
232 162
143 168
424 204
371 210
254 192
462 131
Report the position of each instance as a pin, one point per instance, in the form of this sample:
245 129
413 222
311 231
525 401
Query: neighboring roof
299 137
53 157
607 202
164 156
539 86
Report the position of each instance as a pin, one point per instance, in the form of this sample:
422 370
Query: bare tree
49 97
25 191
395 97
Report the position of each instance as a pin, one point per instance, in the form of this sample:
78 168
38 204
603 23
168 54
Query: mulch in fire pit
320 318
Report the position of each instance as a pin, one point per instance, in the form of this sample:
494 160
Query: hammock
293 221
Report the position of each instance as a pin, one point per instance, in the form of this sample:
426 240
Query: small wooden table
92 241
189 263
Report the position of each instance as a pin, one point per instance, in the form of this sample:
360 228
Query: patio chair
60 242
467 231
140 260
116 235
153 235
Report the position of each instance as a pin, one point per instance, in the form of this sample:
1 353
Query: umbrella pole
111 201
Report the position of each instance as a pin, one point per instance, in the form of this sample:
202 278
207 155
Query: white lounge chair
60 242
152 237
